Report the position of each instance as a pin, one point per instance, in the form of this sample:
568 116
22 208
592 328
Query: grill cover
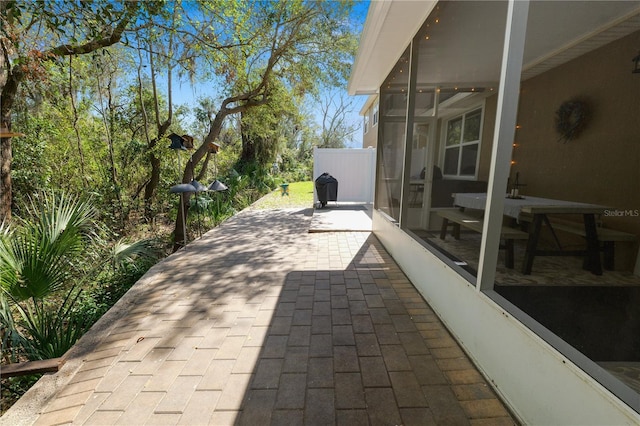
326 188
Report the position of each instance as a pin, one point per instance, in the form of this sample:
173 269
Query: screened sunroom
507 188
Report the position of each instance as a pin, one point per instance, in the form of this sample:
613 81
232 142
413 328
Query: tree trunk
152 185
248 154
7 98
75 123
5 182
154 180
215 126
179 232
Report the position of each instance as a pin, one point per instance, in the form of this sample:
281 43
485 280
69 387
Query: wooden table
537 209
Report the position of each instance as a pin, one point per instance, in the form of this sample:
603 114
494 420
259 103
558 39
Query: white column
506 115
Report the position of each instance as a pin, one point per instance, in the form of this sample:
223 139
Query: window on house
366 122
462 144
375 114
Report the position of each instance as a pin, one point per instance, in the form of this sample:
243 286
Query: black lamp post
183 143
181 189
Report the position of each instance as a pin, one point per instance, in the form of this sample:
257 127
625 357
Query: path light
199 188
217 186
182 189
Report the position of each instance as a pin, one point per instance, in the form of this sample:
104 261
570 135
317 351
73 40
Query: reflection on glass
462 144
391 137
451 161
468 160
596 315
454 128
449 121
472 126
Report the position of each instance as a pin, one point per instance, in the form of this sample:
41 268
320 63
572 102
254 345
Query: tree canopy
108 72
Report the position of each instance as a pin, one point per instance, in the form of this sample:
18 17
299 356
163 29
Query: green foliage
97 300
134 255
271 54
13 388
214 208
300 195
51 332
52 247
12 340
35 259
295 167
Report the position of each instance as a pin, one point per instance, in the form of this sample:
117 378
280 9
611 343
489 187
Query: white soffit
601 23
387 32
552 37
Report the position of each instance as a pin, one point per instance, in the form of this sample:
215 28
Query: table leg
592 257
443 229
532 243
508 254
609 250
553 232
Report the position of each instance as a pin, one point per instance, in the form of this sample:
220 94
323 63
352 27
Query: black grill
326 188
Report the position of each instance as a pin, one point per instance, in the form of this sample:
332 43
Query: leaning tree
300 44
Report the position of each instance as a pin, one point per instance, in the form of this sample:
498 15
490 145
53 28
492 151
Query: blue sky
185 93
359 16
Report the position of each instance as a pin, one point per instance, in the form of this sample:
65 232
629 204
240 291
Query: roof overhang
370 99
387 32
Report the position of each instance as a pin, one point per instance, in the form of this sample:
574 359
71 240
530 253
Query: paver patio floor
261 322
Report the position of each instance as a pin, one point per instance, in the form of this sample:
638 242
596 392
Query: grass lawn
300 195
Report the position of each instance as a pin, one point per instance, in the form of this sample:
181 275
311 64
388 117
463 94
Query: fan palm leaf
11 338
124 253
36 259
52 332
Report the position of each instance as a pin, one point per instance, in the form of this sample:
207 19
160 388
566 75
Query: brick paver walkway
260 322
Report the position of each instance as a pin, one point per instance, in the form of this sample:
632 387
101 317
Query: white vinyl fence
354 169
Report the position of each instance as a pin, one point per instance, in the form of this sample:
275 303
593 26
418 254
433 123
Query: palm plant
36 258
10 338
39 260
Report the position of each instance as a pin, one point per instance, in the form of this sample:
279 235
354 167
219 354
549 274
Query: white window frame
443 144
366 122
375 114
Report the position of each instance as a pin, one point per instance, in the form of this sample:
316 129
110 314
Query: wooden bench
31 367
457 218
607 236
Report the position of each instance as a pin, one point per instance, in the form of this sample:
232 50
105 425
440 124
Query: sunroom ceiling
465 45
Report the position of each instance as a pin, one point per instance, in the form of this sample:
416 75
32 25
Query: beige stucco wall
370 139
603 164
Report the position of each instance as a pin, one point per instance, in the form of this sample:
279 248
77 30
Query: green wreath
571 119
